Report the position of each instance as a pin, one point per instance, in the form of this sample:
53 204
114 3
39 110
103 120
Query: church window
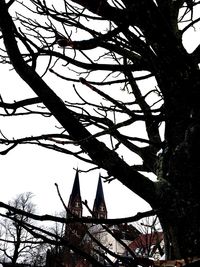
102 208
76 212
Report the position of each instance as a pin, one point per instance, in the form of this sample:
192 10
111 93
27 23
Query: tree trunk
179 204
181 231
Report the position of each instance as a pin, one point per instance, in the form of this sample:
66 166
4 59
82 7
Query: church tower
75 231
75 201
99 207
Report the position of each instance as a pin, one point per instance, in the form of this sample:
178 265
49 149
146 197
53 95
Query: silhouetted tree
17 245
132 57
149 243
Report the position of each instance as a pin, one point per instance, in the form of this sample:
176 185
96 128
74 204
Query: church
75 202
86 237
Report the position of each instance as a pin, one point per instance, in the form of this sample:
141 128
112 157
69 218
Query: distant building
79 234
149 245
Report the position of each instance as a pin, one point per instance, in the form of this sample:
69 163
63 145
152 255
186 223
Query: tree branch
97 151
12 211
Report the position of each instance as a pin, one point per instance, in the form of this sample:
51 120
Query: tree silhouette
17 245
131 56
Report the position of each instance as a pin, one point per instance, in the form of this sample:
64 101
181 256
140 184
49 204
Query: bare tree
150 241
91 248
17 245
131 56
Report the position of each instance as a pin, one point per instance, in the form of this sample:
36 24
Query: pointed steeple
99 207
75 202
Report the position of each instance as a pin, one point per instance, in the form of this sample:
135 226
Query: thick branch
12 211
102 8
97 151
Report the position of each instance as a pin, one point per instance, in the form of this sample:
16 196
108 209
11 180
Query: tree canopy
129 67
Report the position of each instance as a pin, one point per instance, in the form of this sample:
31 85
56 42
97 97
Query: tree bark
179 206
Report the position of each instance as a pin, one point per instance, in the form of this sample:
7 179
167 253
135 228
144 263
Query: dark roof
99 199
144 240
125 231
75 189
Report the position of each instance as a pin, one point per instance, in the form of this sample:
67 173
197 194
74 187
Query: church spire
75 201
99 207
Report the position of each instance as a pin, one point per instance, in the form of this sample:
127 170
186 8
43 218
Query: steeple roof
75 194
99 199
